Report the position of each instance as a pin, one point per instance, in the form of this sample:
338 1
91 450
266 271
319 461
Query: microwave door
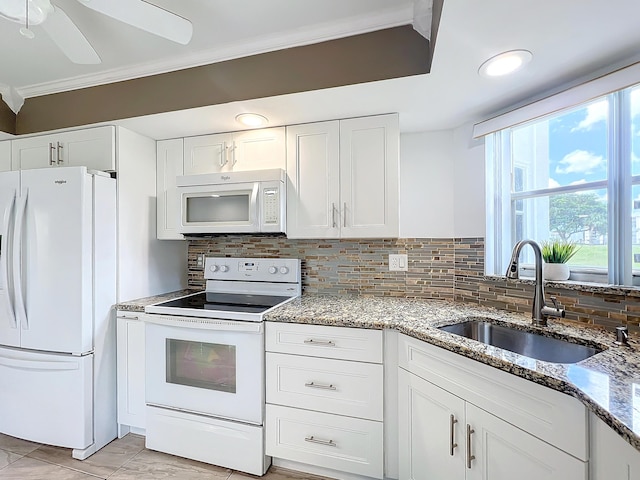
220 209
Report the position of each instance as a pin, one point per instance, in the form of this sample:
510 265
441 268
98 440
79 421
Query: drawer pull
328 443
320 385
470 457
324 343
452 444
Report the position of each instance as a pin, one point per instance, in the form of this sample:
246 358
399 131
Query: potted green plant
556 254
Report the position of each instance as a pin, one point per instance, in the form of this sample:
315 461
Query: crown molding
302 36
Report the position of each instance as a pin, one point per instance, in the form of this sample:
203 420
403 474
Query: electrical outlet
200 261
398 262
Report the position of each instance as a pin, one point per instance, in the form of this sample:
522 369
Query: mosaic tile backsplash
447 269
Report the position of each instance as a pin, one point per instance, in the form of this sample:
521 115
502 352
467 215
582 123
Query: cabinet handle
470 457
128 317
344 221
328 443
224 154
51 149
452 444
325 343
333 215
320 385
233 154
60 154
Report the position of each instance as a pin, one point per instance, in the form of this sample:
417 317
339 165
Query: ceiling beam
7 119
380 55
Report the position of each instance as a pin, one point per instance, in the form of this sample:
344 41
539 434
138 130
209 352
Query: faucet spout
540 310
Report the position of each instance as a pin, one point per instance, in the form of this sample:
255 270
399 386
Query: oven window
202 365
218 208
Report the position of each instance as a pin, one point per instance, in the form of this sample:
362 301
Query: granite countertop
607 383
139 304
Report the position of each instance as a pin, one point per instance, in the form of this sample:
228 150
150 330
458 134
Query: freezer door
57 260
47 398
9 185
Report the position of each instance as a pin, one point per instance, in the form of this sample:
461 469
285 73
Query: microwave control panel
271 205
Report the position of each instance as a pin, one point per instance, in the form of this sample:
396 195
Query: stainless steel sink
525 343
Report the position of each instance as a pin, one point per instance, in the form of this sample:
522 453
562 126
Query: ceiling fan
68 37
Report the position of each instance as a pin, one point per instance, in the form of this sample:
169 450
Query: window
573 176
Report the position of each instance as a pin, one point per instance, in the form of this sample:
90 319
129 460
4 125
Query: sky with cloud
578 143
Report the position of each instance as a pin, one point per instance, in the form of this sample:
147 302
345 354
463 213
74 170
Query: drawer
333 386
552 416
341 343
331 441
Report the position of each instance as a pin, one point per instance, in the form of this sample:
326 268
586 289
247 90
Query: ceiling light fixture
505 63
27 12
251 120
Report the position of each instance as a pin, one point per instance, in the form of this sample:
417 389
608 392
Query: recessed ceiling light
251 119
505 63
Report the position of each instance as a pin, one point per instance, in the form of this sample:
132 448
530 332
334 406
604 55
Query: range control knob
273 269
224 268
284 270
213 268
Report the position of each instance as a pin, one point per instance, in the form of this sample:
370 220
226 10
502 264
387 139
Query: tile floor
122 459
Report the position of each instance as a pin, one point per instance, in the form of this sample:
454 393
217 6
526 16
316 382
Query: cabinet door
33 152
169 166
207 154
93 148
504 452
259 149
612 458
5 156
369 173
431 430
130 368
313 170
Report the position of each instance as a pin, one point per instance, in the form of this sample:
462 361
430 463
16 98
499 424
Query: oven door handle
202 324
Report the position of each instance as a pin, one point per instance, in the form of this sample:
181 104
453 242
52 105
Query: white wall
442 178
426 185
469 174
147 266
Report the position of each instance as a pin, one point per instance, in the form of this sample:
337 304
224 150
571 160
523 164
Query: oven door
219 208
211 367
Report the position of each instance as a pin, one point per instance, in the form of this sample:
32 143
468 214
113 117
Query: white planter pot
556 271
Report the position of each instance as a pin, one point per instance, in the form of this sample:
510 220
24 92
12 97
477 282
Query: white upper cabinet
259 149
93 148
313 170
5 156
169 166
225 152
343 178
369 172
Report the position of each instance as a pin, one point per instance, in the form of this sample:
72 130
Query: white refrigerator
57 289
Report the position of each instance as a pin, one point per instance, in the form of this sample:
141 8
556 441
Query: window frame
502 199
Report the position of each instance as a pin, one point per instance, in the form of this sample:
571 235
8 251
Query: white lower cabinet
612 457
131 376
442 435
325 398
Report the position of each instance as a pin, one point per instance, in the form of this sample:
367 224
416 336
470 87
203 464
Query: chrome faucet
540 311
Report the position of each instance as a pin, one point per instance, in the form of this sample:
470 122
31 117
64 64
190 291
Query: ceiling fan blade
145 16
66 35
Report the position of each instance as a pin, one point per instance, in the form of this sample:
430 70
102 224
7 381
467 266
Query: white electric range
205 363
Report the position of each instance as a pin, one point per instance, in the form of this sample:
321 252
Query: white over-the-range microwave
233 202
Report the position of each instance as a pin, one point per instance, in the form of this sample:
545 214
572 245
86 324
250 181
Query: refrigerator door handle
5 264
20 309
24 364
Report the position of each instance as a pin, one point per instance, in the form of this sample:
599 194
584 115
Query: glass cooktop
227 302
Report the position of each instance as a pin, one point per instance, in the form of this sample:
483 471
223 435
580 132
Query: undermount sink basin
524 343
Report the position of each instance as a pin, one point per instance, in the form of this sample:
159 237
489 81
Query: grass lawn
596 256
